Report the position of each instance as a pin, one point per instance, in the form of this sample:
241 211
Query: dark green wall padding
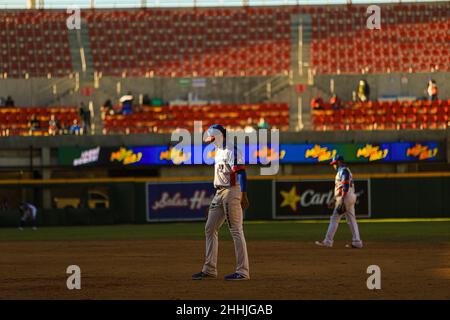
412 197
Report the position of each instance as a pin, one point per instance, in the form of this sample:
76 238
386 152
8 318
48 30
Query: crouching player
28 212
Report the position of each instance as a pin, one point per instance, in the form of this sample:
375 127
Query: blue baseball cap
337 158
212 131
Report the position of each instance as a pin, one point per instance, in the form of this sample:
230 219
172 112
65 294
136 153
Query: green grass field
426 231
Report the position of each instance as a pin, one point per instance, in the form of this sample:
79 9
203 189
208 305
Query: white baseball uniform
226 204
31 212
344 182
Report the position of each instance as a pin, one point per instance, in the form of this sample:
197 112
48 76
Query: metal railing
62 4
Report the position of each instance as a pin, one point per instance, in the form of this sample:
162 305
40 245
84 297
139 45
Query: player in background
230 182
344 205
28 212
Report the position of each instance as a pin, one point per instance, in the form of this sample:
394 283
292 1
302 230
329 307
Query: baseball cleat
235 277
202 275
322 244
352 246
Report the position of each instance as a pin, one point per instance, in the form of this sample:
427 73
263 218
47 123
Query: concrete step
85 41
74 50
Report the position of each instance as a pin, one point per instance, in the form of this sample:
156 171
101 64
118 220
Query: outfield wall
137 201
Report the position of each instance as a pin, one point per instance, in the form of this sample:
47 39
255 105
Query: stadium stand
35 43
386 115
234 42
416 39
228 41
212 42
257 41
169 118
16 121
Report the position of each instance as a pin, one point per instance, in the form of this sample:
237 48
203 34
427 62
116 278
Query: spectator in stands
127 103
250 127
53 126
9 102
432 90
263 124
75 128
363 91
316 103
34 124
108 107
335 102
146 101
85 116
117 109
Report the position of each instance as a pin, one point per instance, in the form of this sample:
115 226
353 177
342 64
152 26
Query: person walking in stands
85 116
363 91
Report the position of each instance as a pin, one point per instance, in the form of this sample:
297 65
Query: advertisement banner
360 153
253 154
178 201
307 199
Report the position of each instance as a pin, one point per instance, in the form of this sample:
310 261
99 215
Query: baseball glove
340 209
331 204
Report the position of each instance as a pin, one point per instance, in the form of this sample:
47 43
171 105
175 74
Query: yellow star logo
290 198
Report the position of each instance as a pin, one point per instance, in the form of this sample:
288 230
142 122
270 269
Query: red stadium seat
24 40
383 116
17 118
184 116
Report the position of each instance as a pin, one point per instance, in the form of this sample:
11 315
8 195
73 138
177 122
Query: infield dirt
161 269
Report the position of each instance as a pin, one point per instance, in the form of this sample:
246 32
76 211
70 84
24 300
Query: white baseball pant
226 205
349 214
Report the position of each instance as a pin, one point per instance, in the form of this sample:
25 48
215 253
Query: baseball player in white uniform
344 205
29 212
230 181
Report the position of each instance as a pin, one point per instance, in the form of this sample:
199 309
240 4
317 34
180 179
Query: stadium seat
36 50
403 45
173 117
383 116
206 43
15 121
